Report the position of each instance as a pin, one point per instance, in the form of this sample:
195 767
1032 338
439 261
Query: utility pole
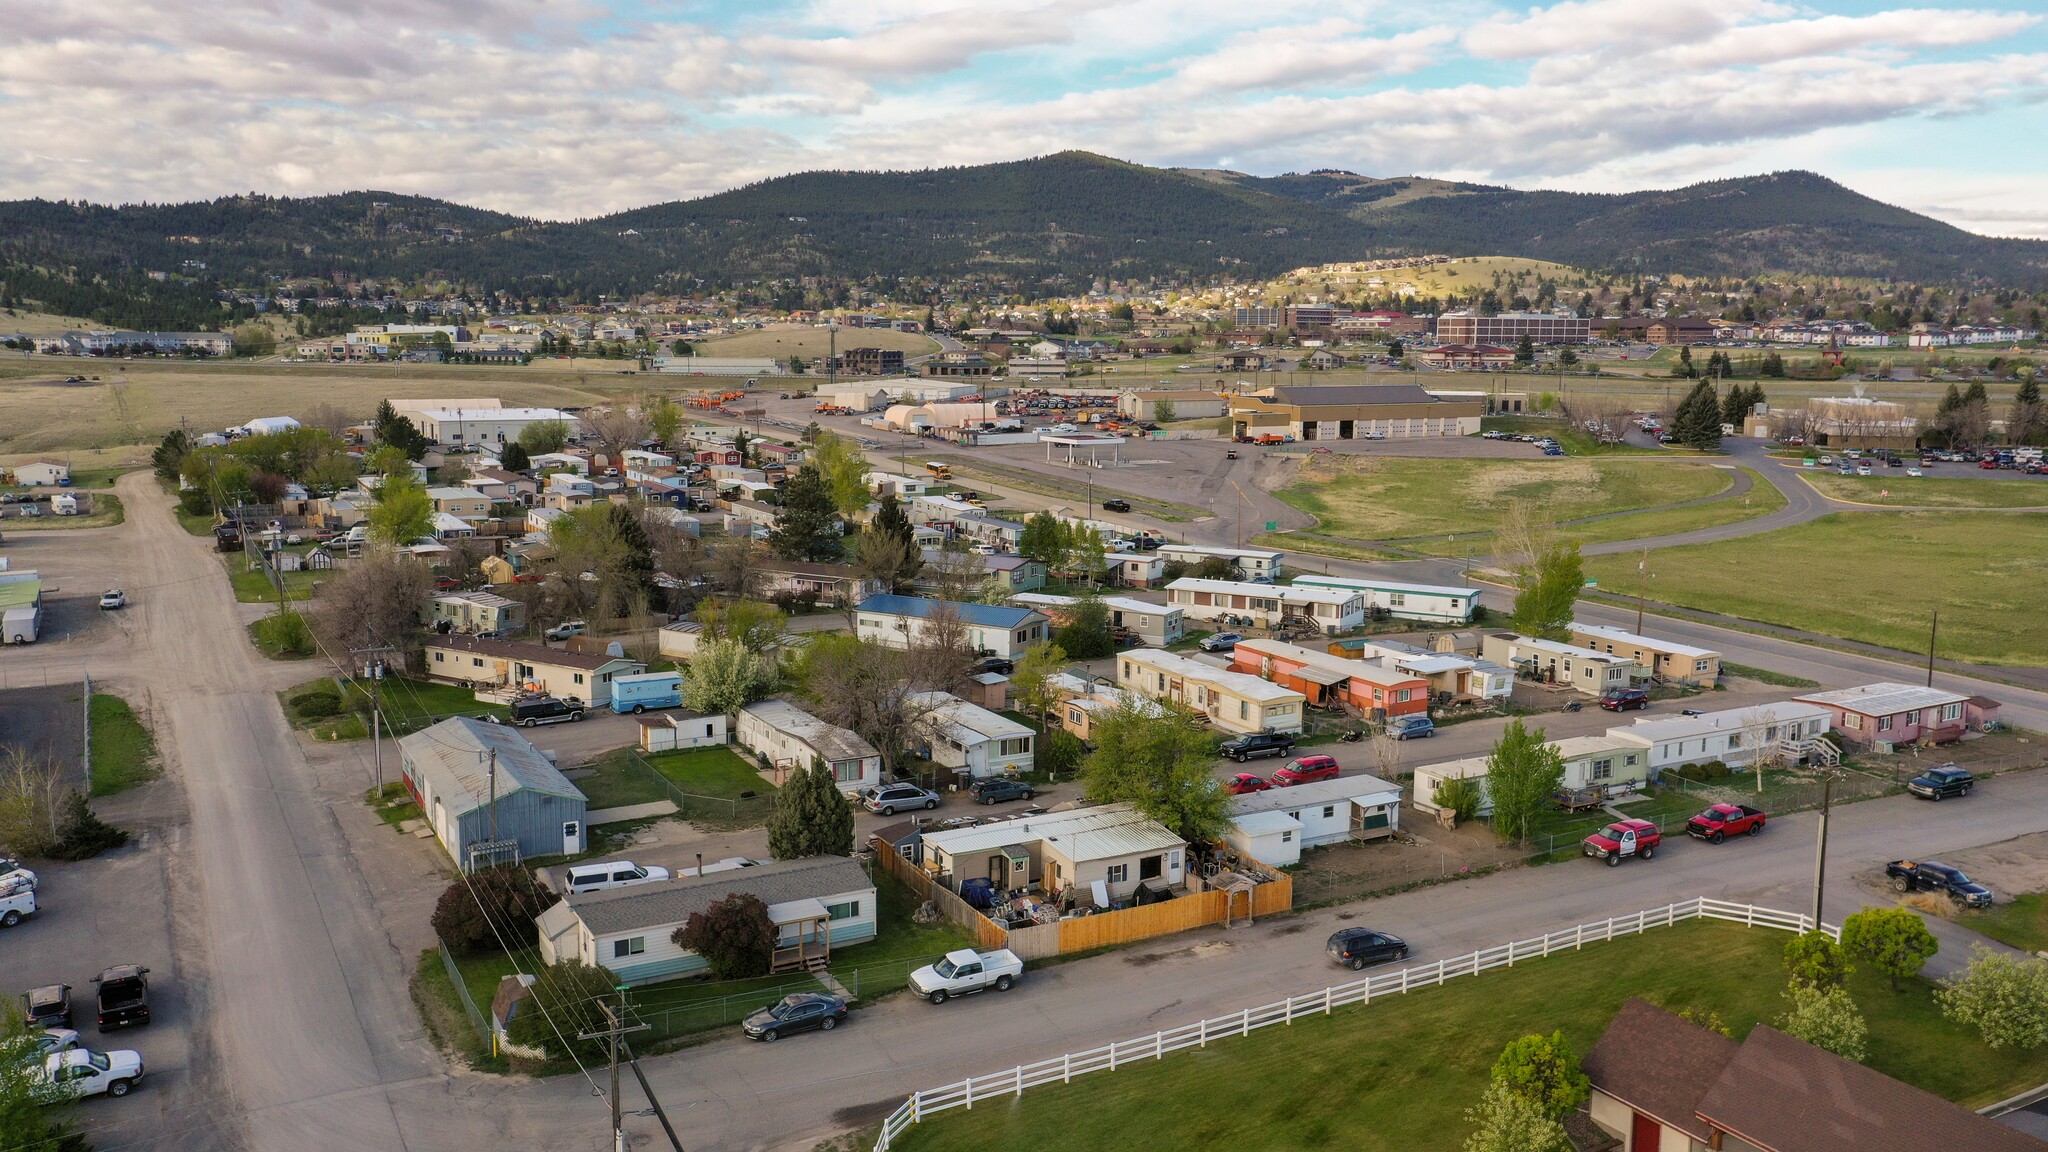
493 753
615 1016
647 1089
375 671
1641 561
1932 629
1820 849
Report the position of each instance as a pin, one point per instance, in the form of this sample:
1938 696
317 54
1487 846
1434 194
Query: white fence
1061 1069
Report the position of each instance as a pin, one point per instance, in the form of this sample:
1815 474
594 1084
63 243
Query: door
1645 1135
572 837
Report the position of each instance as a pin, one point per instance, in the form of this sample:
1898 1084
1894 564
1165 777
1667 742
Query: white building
908 622
1436 603
971 740
1736 737
1589 761
1331 610
1593 673
1154 625
1251 563
787 738
1275 825
484 425
42 473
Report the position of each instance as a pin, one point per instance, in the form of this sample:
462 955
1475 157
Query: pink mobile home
1903 713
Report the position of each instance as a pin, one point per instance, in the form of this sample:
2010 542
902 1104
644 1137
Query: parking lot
39 503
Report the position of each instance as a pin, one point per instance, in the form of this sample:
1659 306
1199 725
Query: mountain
1034 227
1782 222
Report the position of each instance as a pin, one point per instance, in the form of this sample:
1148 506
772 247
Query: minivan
611 874
544 710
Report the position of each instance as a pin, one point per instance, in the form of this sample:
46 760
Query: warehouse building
1464 327
1352 412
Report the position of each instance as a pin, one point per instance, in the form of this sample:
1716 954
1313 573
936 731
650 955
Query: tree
1772 365
1544 1071
544 436
402 513
2024 425
1735 405
616 427
867 688
1521 773
398 432
1549 586
845 471
1505 1122
1060 753
724 676
492 908
1697 423
1031 682
169 456
1162 411
1685 367
887 559
1087 635
81 834
943 650
734 936
566 1002
1815 960
2004 996
255 340
33 1113
1825 1018
609 542
375 601
513 457
807 527
1894 941
1156 756
1525 352
664 419
811 817
1044 540
1395 350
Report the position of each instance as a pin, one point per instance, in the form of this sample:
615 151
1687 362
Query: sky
564 109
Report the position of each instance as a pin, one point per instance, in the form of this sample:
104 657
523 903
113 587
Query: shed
489 795
672 731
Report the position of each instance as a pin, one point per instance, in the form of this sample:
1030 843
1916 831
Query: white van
611 874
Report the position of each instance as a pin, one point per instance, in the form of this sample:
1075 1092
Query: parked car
1411 727
15 904
113 598
996 789
82 1072
1220 642
1306 770
1245 782
1002 665
890 798
48 1006
1940 783
1357 947
1724 820
13 875
1624 838
1928 876
966 972
566 629
535 710
611 874
1623 699
1116 504
797 1012
123 997
1257 744
54 1040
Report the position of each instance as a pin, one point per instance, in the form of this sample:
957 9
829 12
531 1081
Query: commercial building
720 366
1466 357
1435 603
1351 412
123 342
489 795
1328 610
1661 659
484 425
1231 701
1257 316
1680 330
1187 404
867 362
1859 422
1508 328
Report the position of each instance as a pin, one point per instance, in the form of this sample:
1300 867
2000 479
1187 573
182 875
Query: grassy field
123 750
1393 498
1885 574
253 586
813 343
1766 676
1893 487
106 512
716 772
1760 500
407 703
1397 1075
2022 923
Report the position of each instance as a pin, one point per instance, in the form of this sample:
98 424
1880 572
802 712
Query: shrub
1461 796
566 1001
1826 1018
81 834
1544 1071
811 817
1060 753
734 936
503 901
2006 997
1505 1122
287 633
1815 960
1895 942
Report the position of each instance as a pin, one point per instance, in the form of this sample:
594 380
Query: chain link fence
707 810
477 1022
669 1017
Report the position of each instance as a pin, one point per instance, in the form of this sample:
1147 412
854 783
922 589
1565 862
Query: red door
1647 1135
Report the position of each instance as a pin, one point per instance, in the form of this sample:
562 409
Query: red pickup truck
1624 838
1724 820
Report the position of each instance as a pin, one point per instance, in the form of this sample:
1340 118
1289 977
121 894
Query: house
1321 360
1232 701
472 612
42 473
1352 412
447 527
1589 762
1450 674
1661 1083
489 795
1661 659
1897 714
1083 703
835 584
1247 563
971 740
1134 569
817 903
1593 673
1153 625
539 520
785 737
1005 570
505 487
530 667
1734 736
908 622
1113 845
467 503
1326 610
1327 681
896 484
1275 825
671 731
1435 603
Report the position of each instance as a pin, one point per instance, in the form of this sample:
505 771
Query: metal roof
672 901
1334 395
1237 683
1361 788
1884 698
1624 636
1265 823
973 719
1285 593
986 615
1103 833
1729 719
539 655
831 742
455 757
1312 581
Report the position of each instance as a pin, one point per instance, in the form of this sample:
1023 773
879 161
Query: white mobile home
1331 610
971 740
1589 761
1251 563
1736 736
787 738
1436 603
1275 825
1154 625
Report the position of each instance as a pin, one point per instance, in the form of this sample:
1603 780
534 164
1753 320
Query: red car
1624 838
1306 770
1245 782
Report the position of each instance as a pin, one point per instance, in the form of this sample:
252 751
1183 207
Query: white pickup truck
966 972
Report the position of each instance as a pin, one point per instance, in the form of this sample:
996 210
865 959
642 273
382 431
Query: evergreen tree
1685 367
1698 422
169 456
890 521
1735 406
1525 351
2025 423
811 817
514 458
807 527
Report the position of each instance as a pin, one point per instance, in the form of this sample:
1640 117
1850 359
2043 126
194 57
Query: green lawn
2022 923
408 705
1766 676
282 637
718 772
1573 438
123 751
617 781
253 586
1893 487
106 512
393 803
1760 500
1885 574
1389 498
1397 1075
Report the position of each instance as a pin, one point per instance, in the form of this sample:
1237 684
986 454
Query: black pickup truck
124 996
1928 876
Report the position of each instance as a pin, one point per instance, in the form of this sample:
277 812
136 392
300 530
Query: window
844 910
1404 695
1884 723
631 946
1287 836
1017 746
1396 599
1602 770
1699 665
1913 718
1951 711
578 678
1629 761
1735 739
846 771
1118 873
1244 710
439 656
1852 720
1329 810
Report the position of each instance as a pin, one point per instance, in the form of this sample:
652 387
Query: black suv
996 789
1257 744
124 996
1116 505
545 710
48 1006
1357 947
1938 783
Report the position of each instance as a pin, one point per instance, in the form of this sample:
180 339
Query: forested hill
1050 225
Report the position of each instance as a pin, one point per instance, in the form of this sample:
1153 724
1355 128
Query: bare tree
617 427
376 600
954 573
32 794
328 418
735 565
1386 755
1762 732
867 688
943 650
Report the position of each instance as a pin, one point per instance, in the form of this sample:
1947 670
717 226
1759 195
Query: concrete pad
630 812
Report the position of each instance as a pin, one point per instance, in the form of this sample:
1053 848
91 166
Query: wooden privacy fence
988 934
1061 1069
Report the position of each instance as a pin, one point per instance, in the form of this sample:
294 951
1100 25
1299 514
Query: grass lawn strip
1885 574
408 705
123 750
1396 1075
1893 487
2022 923
1766 676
